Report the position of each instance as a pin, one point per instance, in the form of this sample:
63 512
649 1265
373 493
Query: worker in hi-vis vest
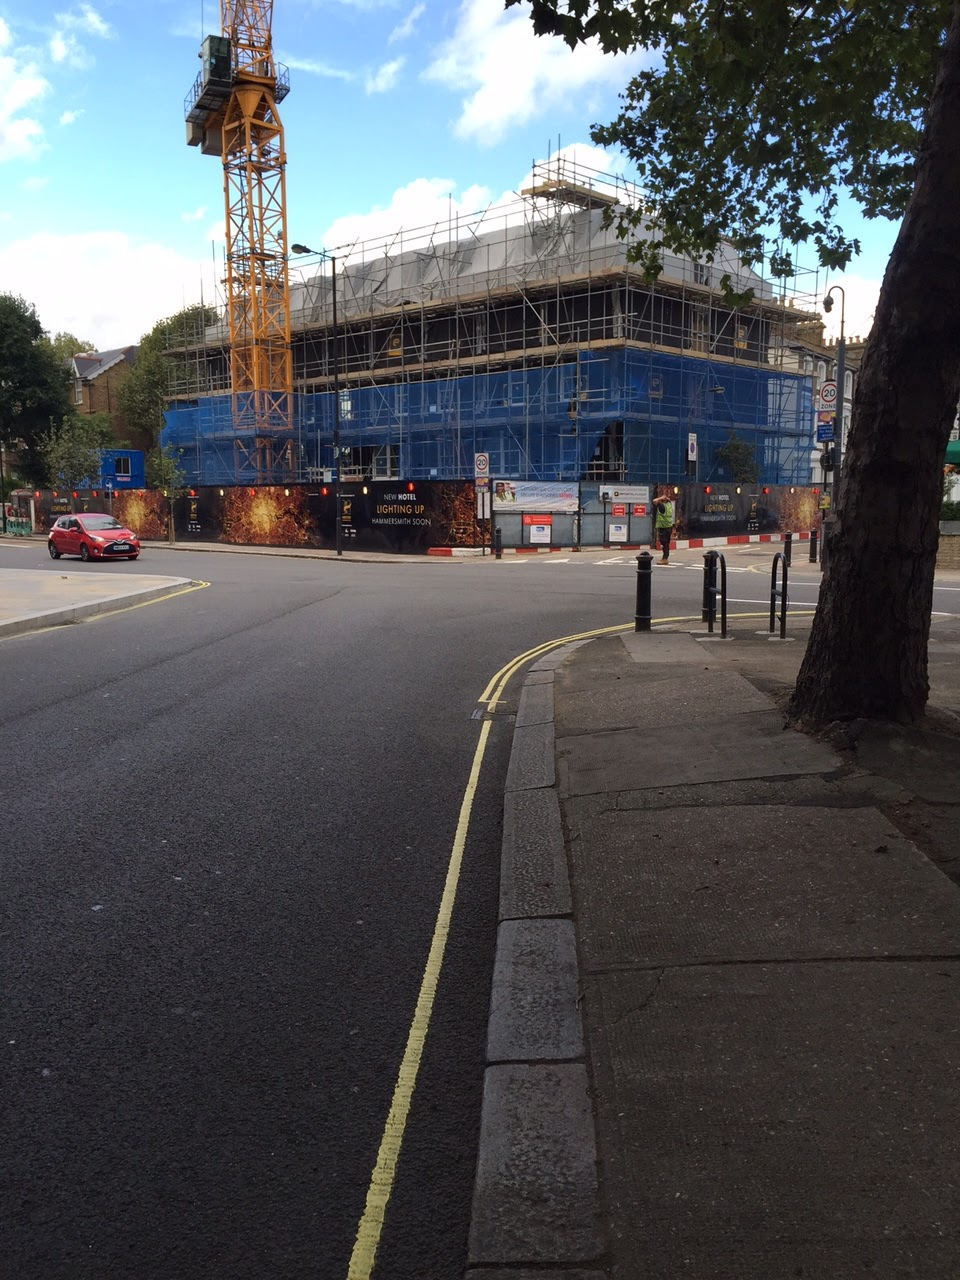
663 519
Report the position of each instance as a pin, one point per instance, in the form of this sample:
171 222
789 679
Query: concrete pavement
723 1038
31 599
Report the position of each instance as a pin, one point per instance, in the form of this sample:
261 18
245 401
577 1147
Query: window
121 466
848 386
77 391
701 273
699 328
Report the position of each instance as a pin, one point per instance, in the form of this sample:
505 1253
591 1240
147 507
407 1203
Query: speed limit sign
481 465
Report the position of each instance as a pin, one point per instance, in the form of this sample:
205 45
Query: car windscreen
101 522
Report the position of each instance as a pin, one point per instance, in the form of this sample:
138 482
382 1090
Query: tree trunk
867 655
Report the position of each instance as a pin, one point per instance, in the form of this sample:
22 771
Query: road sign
691 447
825 431
481 465
828 395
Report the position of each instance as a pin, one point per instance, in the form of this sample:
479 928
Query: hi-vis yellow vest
665 519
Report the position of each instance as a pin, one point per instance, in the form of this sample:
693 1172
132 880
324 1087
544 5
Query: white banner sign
532 495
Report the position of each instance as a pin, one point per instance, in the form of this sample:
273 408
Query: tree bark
867 654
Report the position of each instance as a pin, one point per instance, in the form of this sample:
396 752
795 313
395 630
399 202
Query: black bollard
787 548
814 539
498 543
642 618
709 605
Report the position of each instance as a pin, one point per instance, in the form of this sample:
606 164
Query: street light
840 374
302 248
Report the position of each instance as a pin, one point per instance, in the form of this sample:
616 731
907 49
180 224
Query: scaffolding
523 331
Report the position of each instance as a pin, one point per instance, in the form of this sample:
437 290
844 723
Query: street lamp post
338 531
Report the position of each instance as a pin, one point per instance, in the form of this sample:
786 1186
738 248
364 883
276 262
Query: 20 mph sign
481 465
828 395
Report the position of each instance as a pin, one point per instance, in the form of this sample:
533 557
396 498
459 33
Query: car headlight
93 538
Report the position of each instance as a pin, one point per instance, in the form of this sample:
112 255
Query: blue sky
399 113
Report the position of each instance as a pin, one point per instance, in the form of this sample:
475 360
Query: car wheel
84 551
54 553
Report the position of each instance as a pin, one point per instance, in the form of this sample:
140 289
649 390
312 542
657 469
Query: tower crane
232 112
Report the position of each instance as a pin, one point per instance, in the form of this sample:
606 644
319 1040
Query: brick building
97 377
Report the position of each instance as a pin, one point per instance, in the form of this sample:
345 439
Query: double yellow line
367 1241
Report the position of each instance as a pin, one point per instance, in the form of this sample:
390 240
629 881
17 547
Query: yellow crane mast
232 112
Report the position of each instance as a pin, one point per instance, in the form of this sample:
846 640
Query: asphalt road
227 821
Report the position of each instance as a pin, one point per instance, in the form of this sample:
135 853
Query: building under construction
522 333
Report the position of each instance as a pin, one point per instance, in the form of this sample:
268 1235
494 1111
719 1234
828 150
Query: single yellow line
381 1183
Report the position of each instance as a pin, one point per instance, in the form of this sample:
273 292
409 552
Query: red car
92 536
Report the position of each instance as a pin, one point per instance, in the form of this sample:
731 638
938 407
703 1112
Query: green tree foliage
753 119
739 458
66 345
72 450
751 122
163 470
162 365
34 385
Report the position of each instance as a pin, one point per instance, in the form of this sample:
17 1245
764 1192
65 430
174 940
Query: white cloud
861 295
85 19
385 77
20 85
314 68
6 38
195 216
431 206
510 75
65 47
65 44
35 183
70 117
118 286
403 30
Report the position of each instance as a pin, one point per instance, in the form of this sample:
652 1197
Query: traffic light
827 457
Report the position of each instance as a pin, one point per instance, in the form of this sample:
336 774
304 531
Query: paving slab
533 865
628 700
673 647
756 883
534 1014
524 1274
535 1195
765 1122
755 745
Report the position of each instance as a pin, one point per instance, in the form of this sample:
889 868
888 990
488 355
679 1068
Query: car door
58 534
72 538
